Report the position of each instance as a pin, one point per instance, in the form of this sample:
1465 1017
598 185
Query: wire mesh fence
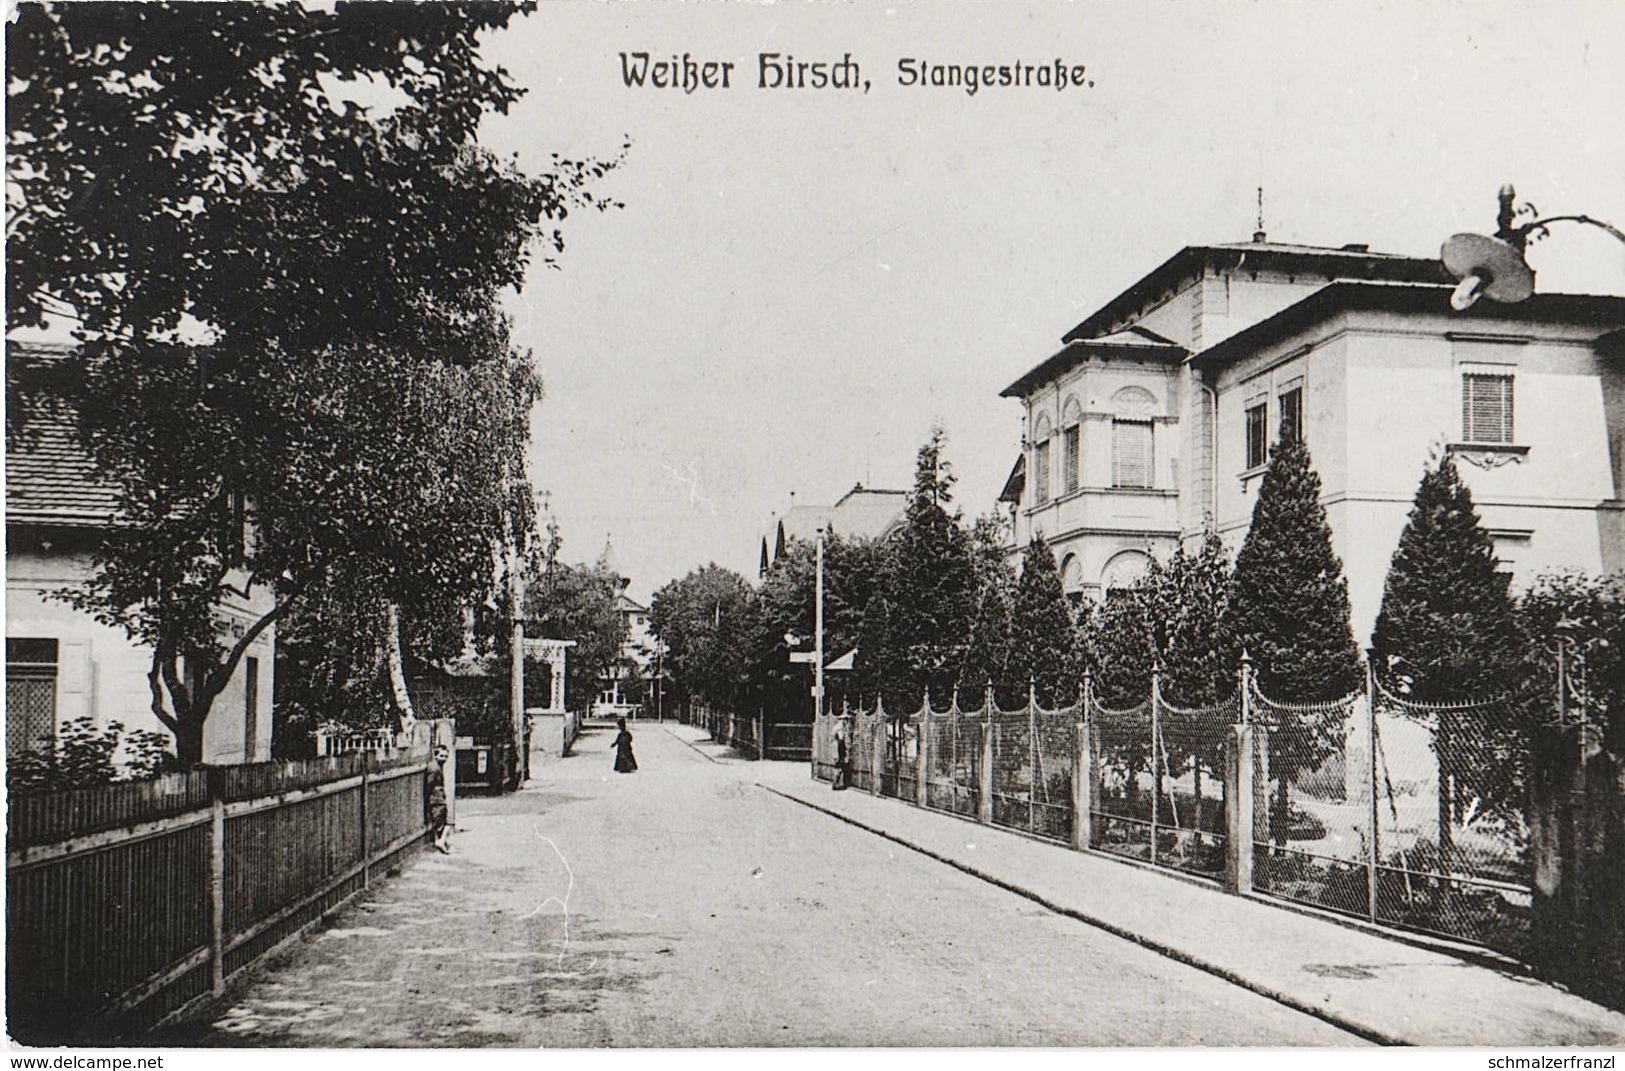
953 759
1402 812
1451 839
1188 753
1033 752
1123 813
1160 795
1310 838
1374 805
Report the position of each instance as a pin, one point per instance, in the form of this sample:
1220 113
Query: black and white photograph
846 528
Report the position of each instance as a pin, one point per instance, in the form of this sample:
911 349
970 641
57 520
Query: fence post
922 767
1156 757
761 735
984 787
366 848
877 753
1082 782
217 883
1032 755
1372 850
1238 806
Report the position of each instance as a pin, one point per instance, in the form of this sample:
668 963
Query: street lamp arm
1542 225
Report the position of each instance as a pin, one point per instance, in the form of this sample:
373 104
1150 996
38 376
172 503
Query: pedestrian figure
624 762
439 814
842 761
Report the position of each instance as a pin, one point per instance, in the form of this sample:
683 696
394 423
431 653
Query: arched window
1041 437
1071 443
1123 569
1133 411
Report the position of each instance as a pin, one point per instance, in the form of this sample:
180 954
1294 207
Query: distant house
1156 416
636 663
861 513
61 664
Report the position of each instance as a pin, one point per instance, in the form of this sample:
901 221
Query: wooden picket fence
126 902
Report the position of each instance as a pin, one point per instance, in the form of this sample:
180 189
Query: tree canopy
1043 639
283 247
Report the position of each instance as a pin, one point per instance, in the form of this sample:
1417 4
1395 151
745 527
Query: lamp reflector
1499 270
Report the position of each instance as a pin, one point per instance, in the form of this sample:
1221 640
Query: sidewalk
1387 990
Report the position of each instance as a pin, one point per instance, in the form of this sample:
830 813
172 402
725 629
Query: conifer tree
1289 601
932 588
1043 641
1289 609
1447 630
988 656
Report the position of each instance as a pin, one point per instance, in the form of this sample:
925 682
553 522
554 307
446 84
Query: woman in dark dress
624 762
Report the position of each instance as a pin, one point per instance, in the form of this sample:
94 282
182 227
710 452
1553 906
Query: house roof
50 479
1016 482
1352 261
627 605
1604 312
1133 342
861 513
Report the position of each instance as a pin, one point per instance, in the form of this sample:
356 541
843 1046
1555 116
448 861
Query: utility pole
516 676
818 631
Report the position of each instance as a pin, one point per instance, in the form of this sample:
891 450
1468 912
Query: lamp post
1494 267
818 629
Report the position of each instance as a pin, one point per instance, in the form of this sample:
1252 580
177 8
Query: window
1258 439
30 694
251 708
1069 461
1041 473
1131 453
1486 408
1292 415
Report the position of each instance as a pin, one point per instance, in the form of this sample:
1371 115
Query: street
683 906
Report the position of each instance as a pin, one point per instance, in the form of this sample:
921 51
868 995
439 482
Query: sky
802 282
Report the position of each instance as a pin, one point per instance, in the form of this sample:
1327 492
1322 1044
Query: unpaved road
682 906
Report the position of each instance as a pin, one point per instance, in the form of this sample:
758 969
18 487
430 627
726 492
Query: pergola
553 653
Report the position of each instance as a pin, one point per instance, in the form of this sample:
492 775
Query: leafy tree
303 191
84 755
880 665
932 589
1447 630
577 602
784 604
1043 641
1583 618
703 619
1289 609
1171 617
1188 595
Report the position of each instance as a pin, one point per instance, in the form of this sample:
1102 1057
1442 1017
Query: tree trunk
405 715
189 741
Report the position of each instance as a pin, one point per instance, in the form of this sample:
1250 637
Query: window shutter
1486 409
1070 462
1131 453
1041 472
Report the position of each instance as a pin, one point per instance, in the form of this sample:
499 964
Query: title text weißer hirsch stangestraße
782 70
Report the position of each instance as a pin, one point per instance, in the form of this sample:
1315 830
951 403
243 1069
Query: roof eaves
1192 260
1077 351
1605 311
